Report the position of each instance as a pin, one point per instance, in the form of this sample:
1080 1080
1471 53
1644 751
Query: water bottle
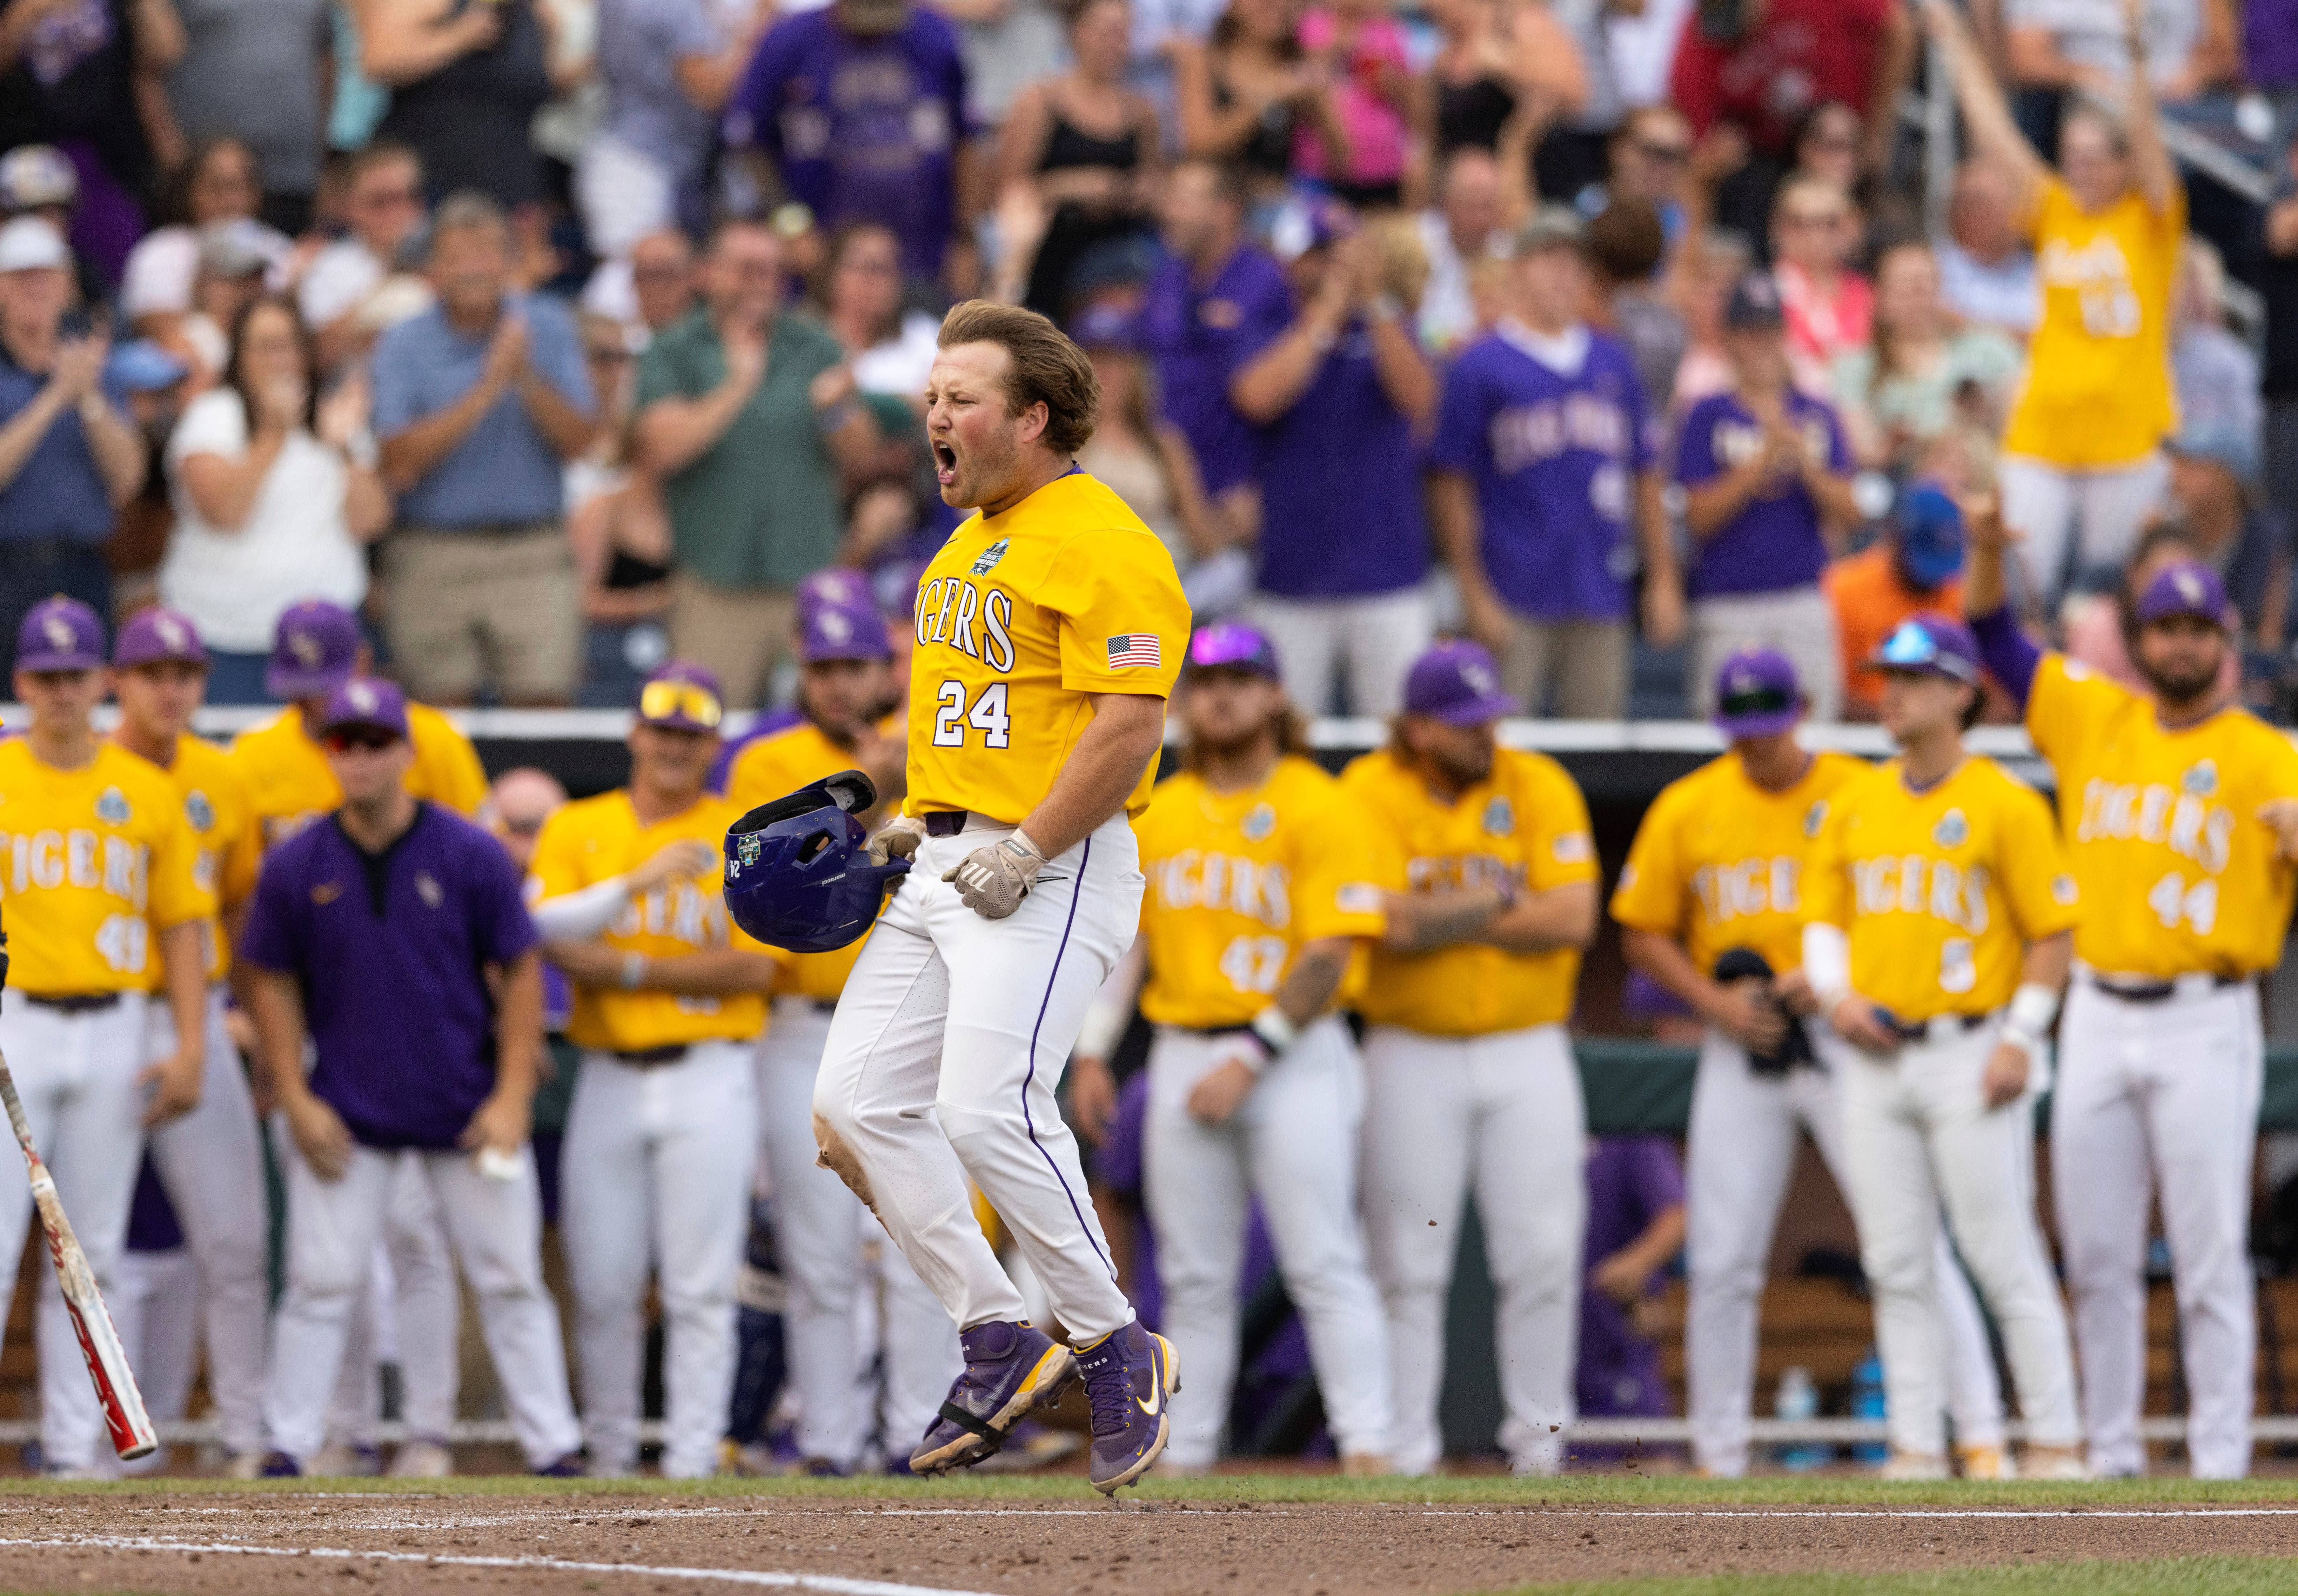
1867 1401
1797 1400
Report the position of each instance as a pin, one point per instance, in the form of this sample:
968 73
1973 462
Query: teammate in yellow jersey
2181 815
1049 630
1936 938
663 1132
1262 895
1709 905
210 1161
99 871
845 692
318 650
1492 896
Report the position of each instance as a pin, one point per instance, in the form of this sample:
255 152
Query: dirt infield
1047 1539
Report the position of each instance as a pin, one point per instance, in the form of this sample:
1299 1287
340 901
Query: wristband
1104 1030
1273 1030
2033 1007
635 971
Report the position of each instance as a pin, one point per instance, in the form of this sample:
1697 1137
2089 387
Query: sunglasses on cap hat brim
1758 703
1912 651
688 702
344 738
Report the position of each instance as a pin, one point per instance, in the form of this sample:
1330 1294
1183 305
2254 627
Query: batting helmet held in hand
798 872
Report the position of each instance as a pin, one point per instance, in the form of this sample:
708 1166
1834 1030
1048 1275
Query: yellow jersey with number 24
1023 617
1238 880
2162 826
1940 890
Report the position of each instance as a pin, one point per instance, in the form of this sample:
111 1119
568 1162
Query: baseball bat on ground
132 1435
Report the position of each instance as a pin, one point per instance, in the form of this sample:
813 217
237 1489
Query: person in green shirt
747 415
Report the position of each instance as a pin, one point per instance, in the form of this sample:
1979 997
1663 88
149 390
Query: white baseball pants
157 1312
1502 1112
210 1163
2070 520
1293 1143
658 1164
76 1073
1744 1130
409 1313
941 1064
2161 1096
820 1227
1918 1133
496 1229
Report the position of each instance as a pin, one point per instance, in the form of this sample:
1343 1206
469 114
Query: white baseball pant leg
942 1062
2098 514
76 1074
156 1312
1292 1143
1502 1115
2161 1095
210 1163
1918 1133
820 1230
427 1301
660 1160
332 1226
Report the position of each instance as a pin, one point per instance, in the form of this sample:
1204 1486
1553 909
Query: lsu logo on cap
1474 673
111 807
1953 830
2201 777
58 632
835 626
989 556
1499 815
2189 587
1815 818
200 812
1260 824
306 649
172 634
363 698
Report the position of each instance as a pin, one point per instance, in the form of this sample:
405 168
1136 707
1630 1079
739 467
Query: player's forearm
1422 921
181 951
1541 922
1663 961
1112 1009
518 1029
1104 767
714 972
1307 988
277 1009
2047 961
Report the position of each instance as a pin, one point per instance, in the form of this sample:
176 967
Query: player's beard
2186 686
981 472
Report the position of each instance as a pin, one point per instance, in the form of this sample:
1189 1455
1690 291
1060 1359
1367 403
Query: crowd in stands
558 337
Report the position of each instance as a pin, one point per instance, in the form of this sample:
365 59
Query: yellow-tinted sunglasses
681 701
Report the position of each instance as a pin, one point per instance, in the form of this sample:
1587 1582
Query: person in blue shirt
1546 496
479 403
1340 392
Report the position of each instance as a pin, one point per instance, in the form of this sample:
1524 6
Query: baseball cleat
2054 1463
1011 1369
279 1466
1913 1466
1128 1374
421 1458
568 1466
1984 1463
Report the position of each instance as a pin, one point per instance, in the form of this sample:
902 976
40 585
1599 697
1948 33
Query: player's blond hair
1043 366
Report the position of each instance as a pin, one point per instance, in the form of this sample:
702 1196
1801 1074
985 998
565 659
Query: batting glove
897 838
993 880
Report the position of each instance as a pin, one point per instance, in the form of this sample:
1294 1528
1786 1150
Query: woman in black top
1248 88
1495 53
466 79
1089 147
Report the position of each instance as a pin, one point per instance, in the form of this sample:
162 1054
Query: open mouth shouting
945 460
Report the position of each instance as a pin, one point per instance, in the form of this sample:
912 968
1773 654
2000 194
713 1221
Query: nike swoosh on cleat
1156 1399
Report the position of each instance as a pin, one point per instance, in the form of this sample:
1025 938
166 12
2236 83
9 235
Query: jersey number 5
987 716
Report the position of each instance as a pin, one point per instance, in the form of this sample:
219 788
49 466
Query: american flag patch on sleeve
1135 649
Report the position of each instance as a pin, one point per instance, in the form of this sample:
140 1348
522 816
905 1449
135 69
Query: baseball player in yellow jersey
99 872
1493 895
844 688
2180 813
1709 906
210 1161
318 650
1261 896
1936 924
1049 631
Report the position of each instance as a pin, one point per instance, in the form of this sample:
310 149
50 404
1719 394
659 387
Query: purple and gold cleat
1128 1374
1011 1369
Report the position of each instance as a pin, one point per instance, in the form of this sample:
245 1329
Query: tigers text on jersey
2162 825
1718 861
221 814
594 838
93 862
771 768
1238 880
287 775
1021 618
1525 820
1940 890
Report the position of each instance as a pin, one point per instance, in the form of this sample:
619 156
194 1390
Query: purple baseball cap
681 697
60 634
832 584
1928 643
314 650
1458 683
1756 694
840 620
1234 645
156 634
2188 588
365 701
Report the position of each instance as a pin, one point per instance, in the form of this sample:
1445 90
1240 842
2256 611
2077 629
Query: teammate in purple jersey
1546 501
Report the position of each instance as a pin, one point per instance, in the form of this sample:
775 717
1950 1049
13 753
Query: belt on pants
950 822
2194 983
1938 1028
72 1002
652 1058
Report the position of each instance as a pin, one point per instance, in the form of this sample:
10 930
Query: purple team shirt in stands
1199 337
1340 512
861 127
1555 459
1775 544
395 997
1632 1179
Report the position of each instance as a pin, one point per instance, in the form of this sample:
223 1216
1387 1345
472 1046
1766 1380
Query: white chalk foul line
829 1583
